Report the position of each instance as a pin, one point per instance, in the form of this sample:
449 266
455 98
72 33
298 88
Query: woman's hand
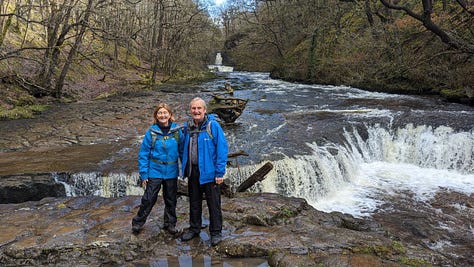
219 180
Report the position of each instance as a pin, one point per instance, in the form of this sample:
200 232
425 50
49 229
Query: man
204 163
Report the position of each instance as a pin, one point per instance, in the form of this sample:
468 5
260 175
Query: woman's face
163 116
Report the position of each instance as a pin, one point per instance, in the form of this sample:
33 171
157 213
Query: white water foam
351 178
360 197
96 184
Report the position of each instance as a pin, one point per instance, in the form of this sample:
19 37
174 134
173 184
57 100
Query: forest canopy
69 49
415 46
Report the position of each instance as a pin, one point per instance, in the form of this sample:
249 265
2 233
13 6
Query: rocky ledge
283 231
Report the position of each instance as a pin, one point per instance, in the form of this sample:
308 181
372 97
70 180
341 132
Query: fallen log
257 176
227 109
237 153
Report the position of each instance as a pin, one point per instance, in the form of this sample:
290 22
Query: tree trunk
72 52
257 176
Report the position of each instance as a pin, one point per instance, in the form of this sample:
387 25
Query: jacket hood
173 128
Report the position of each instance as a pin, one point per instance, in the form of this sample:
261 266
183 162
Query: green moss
396 251
286 213
414 262
21 112
396 248
24 100
105 95
453 93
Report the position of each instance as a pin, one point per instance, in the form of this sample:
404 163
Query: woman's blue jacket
159 154
212 150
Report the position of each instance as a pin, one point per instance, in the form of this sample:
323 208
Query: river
340 148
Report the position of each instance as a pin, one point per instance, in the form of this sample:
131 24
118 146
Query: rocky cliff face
283 231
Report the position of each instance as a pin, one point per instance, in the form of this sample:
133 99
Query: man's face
198 110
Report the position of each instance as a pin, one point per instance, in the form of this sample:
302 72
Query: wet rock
29 187
97 231
447 231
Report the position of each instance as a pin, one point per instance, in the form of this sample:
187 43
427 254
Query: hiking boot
171 229
215 240
188 235
136 229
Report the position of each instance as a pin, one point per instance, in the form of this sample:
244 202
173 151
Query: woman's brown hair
160 106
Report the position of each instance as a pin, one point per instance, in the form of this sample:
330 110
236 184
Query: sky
219 2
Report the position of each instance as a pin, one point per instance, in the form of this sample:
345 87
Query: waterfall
96 184
439 148
218 59
218 67
348 177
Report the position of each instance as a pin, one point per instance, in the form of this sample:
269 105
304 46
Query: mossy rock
21 112
453 94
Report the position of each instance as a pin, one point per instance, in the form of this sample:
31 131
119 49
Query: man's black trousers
213 199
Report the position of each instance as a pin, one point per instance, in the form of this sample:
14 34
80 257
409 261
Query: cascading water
218 59
340 148
96 184
353 177
217 66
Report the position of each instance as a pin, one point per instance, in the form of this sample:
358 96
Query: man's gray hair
198 99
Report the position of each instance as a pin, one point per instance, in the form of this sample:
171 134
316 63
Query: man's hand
144 182
219 180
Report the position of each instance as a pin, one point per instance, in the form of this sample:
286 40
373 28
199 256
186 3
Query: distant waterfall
217 66
218 61
333 166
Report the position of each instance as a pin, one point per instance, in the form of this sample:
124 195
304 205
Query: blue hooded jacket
161 160
212 150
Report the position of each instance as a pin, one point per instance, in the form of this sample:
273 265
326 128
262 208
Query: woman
160 150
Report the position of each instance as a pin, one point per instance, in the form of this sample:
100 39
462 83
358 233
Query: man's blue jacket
212 149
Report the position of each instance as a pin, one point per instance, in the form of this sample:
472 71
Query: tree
56 21
82 25
461 14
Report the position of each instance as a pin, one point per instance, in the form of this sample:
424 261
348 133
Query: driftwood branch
32 88
222 98
227 108
237 153
257 176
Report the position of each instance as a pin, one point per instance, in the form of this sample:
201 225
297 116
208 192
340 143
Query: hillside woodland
70 50
402 46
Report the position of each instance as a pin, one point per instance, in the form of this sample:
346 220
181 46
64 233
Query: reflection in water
204 261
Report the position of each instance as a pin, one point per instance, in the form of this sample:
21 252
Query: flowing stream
340 148
343 149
